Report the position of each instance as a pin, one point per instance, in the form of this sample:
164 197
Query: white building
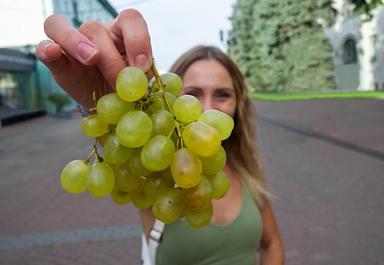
358 49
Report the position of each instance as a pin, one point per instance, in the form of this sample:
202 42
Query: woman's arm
147 221
271 246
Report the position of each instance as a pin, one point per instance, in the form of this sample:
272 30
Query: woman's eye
195 94
223 95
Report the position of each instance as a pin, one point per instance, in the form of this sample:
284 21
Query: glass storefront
12 89
17 80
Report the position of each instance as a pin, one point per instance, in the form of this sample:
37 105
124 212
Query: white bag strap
154 238
148 251
145 258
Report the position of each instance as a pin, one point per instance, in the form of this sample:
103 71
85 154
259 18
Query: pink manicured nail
85 51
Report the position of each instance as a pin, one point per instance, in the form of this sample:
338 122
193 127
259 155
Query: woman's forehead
208 71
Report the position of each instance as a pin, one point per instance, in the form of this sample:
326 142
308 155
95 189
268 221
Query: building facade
17 75
78 11
358 48
26 82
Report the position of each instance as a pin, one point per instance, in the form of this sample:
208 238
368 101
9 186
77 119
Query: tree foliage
240 39
281 45
60 100
366 7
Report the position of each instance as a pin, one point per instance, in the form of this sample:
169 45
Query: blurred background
342 41
316 73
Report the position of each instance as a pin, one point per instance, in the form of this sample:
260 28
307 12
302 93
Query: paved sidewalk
324 161
39 222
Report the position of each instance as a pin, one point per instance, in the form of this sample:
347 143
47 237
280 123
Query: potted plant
60 100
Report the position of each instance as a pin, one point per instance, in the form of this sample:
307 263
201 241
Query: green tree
266 28
289 49
366 7
60 100
240 38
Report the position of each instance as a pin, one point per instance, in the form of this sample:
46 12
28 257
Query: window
349 52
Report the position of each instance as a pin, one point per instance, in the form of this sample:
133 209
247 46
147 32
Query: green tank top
235 243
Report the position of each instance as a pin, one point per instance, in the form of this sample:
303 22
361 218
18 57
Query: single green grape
136 165
220 184
163 122
172 83
157 153
74 176
168 206
126 180
156 183
120 197
201 138
214 163
151 184
134 129
101 179
186 168
219 120
198 196
110 108
187 108
131 84
200 217
114 152
93 126
141 199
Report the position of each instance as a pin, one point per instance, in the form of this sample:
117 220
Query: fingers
76 79
72 41
131 29
72 51
51 55
129 34
48 51
110 61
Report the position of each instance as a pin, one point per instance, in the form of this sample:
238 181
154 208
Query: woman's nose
207 104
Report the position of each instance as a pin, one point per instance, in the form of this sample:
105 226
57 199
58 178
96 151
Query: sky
174 25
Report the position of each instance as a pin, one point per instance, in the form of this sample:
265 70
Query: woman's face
210 82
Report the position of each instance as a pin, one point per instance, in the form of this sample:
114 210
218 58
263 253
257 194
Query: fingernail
45 47
142 62
85 51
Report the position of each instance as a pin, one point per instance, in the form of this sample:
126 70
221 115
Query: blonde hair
241 148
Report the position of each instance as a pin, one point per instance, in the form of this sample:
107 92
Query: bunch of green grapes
158 149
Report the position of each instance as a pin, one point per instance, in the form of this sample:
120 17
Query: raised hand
89 59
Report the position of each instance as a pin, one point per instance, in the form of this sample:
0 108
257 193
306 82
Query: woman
243 219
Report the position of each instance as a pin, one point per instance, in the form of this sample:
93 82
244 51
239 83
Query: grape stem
161 85
94 152
89 156
98 157
162 91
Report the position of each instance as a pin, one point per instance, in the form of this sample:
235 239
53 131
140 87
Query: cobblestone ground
324 161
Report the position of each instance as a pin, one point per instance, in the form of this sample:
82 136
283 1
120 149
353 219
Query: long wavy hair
241 148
